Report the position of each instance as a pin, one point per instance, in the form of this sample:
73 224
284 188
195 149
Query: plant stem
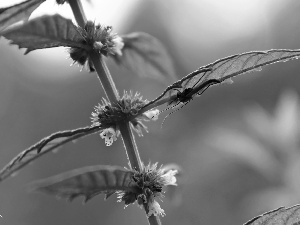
99 64
131 147
112 94
78 12
153 220
104 76
135 161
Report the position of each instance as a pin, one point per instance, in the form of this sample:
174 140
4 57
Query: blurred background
238 144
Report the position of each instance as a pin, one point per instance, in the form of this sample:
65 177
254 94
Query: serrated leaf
48 144
88 182
45 32
280 216
15 13
146 56
219 71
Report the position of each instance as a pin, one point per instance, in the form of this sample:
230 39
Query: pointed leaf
48 144
88 182
280 216
146 56
219 71
45 32
108 194
15 13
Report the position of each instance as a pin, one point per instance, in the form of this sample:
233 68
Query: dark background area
41 94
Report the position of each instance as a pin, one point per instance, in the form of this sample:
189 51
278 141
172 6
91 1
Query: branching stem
112 94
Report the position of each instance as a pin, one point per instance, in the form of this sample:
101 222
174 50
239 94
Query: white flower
118 45
152 114
154 208
169 177
110 135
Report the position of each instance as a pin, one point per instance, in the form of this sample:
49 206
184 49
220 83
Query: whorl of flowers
127 108
149 184
99 38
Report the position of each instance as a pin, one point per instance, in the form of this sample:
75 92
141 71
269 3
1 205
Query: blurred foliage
270 145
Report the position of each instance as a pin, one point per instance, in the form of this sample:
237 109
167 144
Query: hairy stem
99 64
135 161
153 220
78 12
112 94
104 77
130 146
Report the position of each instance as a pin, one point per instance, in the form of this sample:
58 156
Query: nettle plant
116 116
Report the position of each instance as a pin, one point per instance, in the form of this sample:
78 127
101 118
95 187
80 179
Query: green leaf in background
45 32
267 141
146 56
221 70
280 216
48 144
88 182
15 13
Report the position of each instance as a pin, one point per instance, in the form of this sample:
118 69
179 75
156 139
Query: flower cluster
149 184
99 38
126 109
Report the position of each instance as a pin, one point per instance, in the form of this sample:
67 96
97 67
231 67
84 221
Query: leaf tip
25 53
227 81
86 199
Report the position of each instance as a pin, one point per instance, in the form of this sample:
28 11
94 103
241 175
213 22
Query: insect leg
173 112
180 97
171 102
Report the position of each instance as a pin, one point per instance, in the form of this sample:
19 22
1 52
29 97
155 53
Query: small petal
152 114
154 208
138 127
118 45
110 135
169 177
